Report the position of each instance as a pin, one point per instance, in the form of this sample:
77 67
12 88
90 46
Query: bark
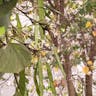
70 86
56 2
62 11
88 86
88 78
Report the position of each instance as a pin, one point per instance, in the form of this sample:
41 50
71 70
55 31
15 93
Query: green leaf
7 7
2 30
51 79
35 80
41 11
22 83
19 26
1 1
41 32
59 63
14 58
36 29
17 94
5 21
40 73
41 14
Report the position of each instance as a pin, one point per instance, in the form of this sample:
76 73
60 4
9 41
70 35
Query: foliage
54 38
14 58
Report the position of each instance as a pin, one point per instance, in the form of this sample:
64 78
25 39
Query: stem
16 81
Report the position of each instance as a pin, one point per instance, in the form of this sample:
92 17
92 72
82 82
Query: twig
5 80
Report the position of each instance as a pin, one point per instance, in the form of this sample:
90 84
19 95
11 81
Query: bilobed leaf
2 30
14 58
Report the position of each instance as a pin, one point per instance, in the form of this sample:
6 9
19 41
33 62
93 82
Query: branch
50 2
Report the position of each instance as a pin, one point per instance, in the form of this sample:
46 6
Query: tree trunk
70 86
88 87
88 78
67 63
